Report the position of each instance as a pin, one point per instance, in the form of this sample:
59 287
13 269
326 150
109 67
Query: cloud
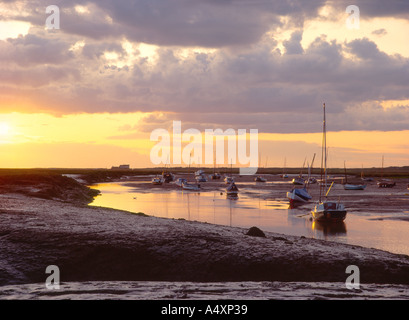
293 46
380 32
216 62
376 8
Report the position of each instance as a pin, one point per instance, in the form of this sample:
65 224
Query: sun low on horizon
89 92
4 129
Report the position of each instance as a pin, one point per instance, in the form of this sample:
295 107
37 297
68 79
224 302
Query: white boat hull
294 197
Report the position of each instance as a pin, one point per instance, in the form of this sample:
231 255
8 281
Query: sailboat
157 180
230 179
166 175
232 190
284 175
385 183
215 175
363 177
260 179
348 186
299 180
327 211
200 176
179 182
190 186
300 195
311 180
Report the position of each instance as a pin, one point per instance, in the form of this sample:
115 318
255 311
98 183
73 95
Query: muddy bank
47 186
99 244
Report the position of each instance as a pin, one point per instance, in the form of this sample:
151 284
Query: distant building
122 167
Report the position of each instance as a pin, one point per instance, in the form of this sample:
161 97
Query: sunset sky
90 93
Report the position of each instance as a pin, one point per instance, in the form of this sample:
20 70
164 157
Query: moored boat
284 175
201 178
190 186
298 181
260 179
229 180
354 186
349 186
312 180
215 176
363 178
199 172
299 195
179 182
327 211
232 190
157 180
167 176
386 183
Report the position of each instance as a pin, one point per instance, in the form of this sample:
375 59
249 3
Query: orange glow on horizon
103 140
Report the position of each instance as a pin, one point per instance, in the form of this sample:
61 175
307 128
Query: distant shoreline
95 175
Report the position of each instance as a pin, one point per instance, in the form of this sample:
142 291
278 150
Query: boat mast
323 157
309 171
362 172
325 150
285 164
345 172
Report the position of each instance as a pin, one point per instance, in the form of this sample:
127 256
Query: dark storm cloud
177 22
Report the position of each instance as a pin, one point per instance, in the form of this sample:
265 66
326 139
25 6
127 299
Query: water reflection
329 229
253 209
295 204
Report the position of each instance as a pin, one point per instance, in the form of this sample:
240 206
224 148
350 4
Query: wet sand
91 243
